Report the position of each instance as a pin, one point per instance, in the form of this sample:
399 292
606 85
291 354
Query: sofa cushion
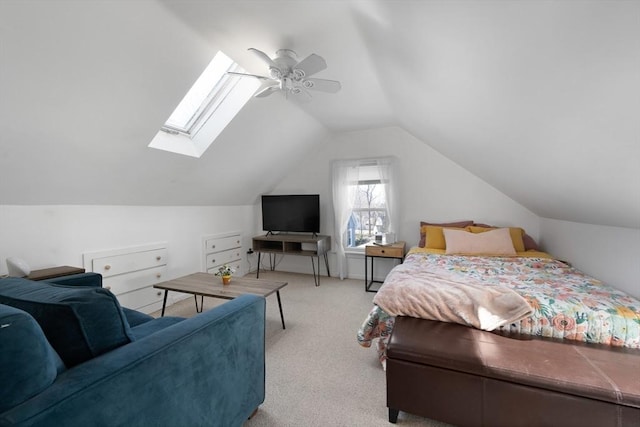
148 328
28 363
135 318
79 322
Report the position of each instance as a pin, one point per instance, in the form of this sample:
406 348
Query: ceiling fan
290 76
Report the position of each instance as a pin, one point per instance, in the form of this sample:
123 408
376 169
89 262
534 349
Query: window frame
224 101
364 182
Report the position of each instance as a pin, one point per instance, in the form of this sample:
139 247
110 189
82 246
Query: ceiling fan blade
309 66
264 57
264 92
249 75
322 85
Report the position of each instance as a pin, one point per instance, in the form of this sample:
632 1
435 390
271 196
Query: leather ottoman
469 377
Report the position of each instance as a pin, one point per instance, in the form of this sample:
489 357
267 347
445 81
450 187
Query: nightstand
394 251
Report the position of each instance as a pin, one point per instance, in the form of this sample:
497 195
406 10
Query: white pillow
494 242
17 267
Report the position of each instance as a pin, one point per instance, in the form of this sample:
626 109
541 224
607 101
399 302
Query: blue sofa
71 356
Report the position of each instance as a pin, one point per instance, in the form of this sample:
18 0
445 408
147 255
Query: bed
566 303
514 293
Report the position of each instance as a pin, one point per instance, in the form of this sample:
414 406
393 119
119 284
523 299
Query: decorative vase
226 279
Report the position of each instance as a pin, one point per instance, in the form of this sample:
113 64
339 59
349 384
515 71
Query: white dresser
130 274
220 249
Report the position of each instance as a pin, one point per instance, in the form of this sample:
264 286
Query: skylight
207 108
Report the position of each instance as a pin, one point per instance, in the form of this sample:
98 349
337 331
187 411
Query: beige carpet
317 374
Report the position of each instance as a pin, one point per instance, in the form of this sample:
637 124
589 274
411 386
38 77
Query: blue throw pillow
79 322
28 364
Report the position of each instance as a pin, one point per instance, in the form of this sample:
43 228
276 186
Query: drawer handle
159 293
107 267
213 261
158 258
213 246
382 251
108 287
158 275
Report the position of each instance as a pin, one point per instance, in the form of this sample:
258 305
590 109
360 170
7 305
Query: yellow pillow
515 232
435 236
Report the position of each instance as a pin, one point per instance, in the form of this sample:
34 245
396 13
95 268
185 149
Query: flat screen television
291 212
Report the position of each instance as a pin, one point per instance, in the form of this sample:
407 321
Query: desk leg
326 264
201 303
366 273
258 269
280 307
164 302
371 271
316 279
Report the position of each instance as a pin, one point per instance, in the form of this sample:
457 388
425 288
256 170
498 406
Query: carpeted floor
317 374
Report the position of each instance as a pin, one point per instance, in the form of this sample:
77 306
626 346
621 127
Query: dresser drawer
225 257
222 244
385 251
136 280
131 262
140 297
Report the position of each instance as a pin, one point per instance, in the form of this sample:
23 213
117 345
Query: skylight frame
228 95
220 89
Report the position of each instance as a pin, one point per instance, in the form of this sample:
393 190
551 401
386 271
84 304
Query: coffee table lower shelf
208 285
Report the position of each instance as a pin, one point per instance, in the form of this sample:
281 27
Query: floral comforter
566 303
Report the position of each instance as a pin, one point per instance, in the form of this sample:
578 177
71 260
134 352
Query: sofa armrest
82 279
205 370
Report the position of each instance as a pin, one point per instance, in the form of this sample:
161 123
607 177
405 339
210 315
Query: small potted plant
225 272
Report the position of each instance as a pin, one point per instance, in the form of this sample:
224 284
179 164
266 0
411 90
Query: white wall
432 188
47 236
611 254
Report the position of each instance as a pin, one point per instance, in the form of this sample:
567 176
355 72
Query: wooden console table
50 273
292 244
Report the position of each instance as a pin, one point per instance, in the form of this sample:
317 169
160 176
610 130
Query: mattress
565 303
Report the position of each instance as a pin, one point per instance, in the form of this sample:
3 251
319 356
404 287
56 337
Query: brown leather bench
468 377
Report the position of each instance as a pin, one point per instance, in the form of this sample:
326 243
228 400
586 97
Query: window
363 204
213 85
369 212
207 108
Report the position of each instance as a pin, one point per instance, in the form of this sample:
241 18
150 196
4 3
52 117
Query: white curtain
346 174
386 171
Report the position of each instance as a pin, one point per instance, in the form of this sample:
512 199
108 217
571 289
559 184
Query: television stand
292 244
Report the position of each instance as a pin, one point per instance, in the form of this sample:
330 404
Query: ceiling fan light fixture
275 73
291 76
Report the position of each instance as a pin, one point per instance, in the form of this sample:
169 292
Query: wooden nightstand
394 251
50 273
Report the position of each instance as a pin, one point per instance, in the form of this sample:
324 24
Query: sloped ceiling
539 98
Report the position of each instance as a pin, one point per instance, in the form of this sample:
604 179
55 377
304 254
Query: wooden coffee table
208 285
